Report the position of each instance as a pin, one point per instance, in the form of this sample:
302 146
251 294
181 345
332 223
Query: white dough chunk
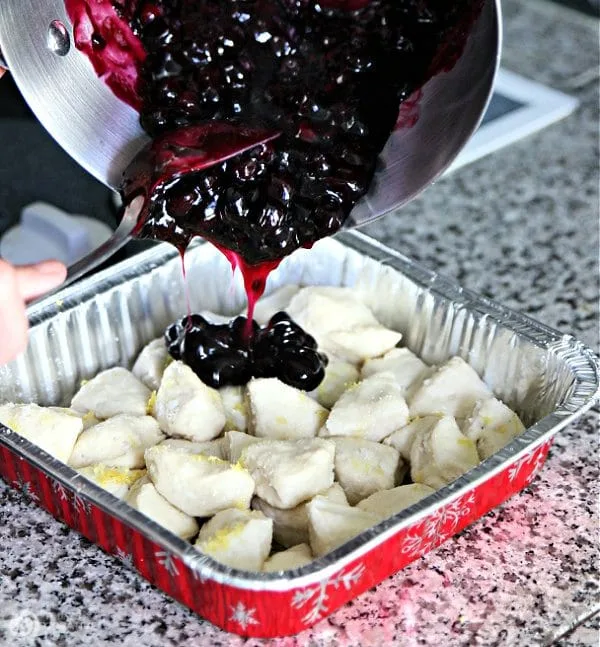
236 408
331 524
442 454
363 467
116 480
339 376
403 438
290 527
288 472
208 448
234 443
144 497
237 538
361 343
286 560
119 441
186 408
88 419
372 409
112 392
151 363
492 425
322 310
53 431
387 503
408 370
275 302
282 412
197 484
452 390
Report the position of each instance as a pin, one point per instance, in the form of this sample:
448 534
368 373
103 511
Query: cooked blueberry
233 353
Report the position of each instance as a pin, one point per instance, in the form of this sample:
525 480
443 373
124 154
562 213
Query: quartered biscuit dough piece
408 370
88 419
331 524
286 560
372 409
208 448
235 407
237 538
197 484
403 438
363 467
53 431
389 502
442 454
275 302
281 412
186 408
288 472
492 425
119 441
322 309
144 497
290 527
361 343
452 390
339 376
234 443
112 392
151 363
116 480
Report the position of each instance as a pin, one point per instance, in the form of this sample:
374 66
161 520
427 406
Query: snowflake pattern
195 563
125 558
64 494
60 490
81 505
443 523
535 459
166 560
26 488
317 596
242 615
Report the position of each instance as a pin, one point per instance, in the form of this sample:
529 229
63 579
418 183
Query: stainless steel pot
103 134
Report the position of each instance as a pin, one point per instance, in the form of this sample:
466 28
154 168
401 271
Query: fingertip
35 280
52 268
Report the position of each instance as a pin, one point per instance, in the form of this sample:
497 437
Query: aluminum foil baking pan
548 378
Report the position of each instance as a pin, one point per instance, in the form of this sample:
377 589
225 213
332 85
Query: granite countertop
520 226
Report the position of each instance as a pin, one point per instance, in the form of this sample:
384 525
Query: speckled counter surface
520 226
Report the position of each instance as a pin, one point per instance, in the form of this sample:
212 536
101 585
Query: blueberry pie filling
266 116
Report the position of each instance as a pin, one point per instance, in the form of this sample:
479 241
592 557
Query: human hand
18 285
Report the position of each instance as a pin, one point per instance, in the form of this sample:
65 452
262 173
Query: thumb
34 280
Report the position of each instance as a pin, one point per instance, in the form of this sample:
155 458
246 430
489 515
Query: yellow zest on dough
215 460
117 475
151 403
365 467
222 538
239 466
